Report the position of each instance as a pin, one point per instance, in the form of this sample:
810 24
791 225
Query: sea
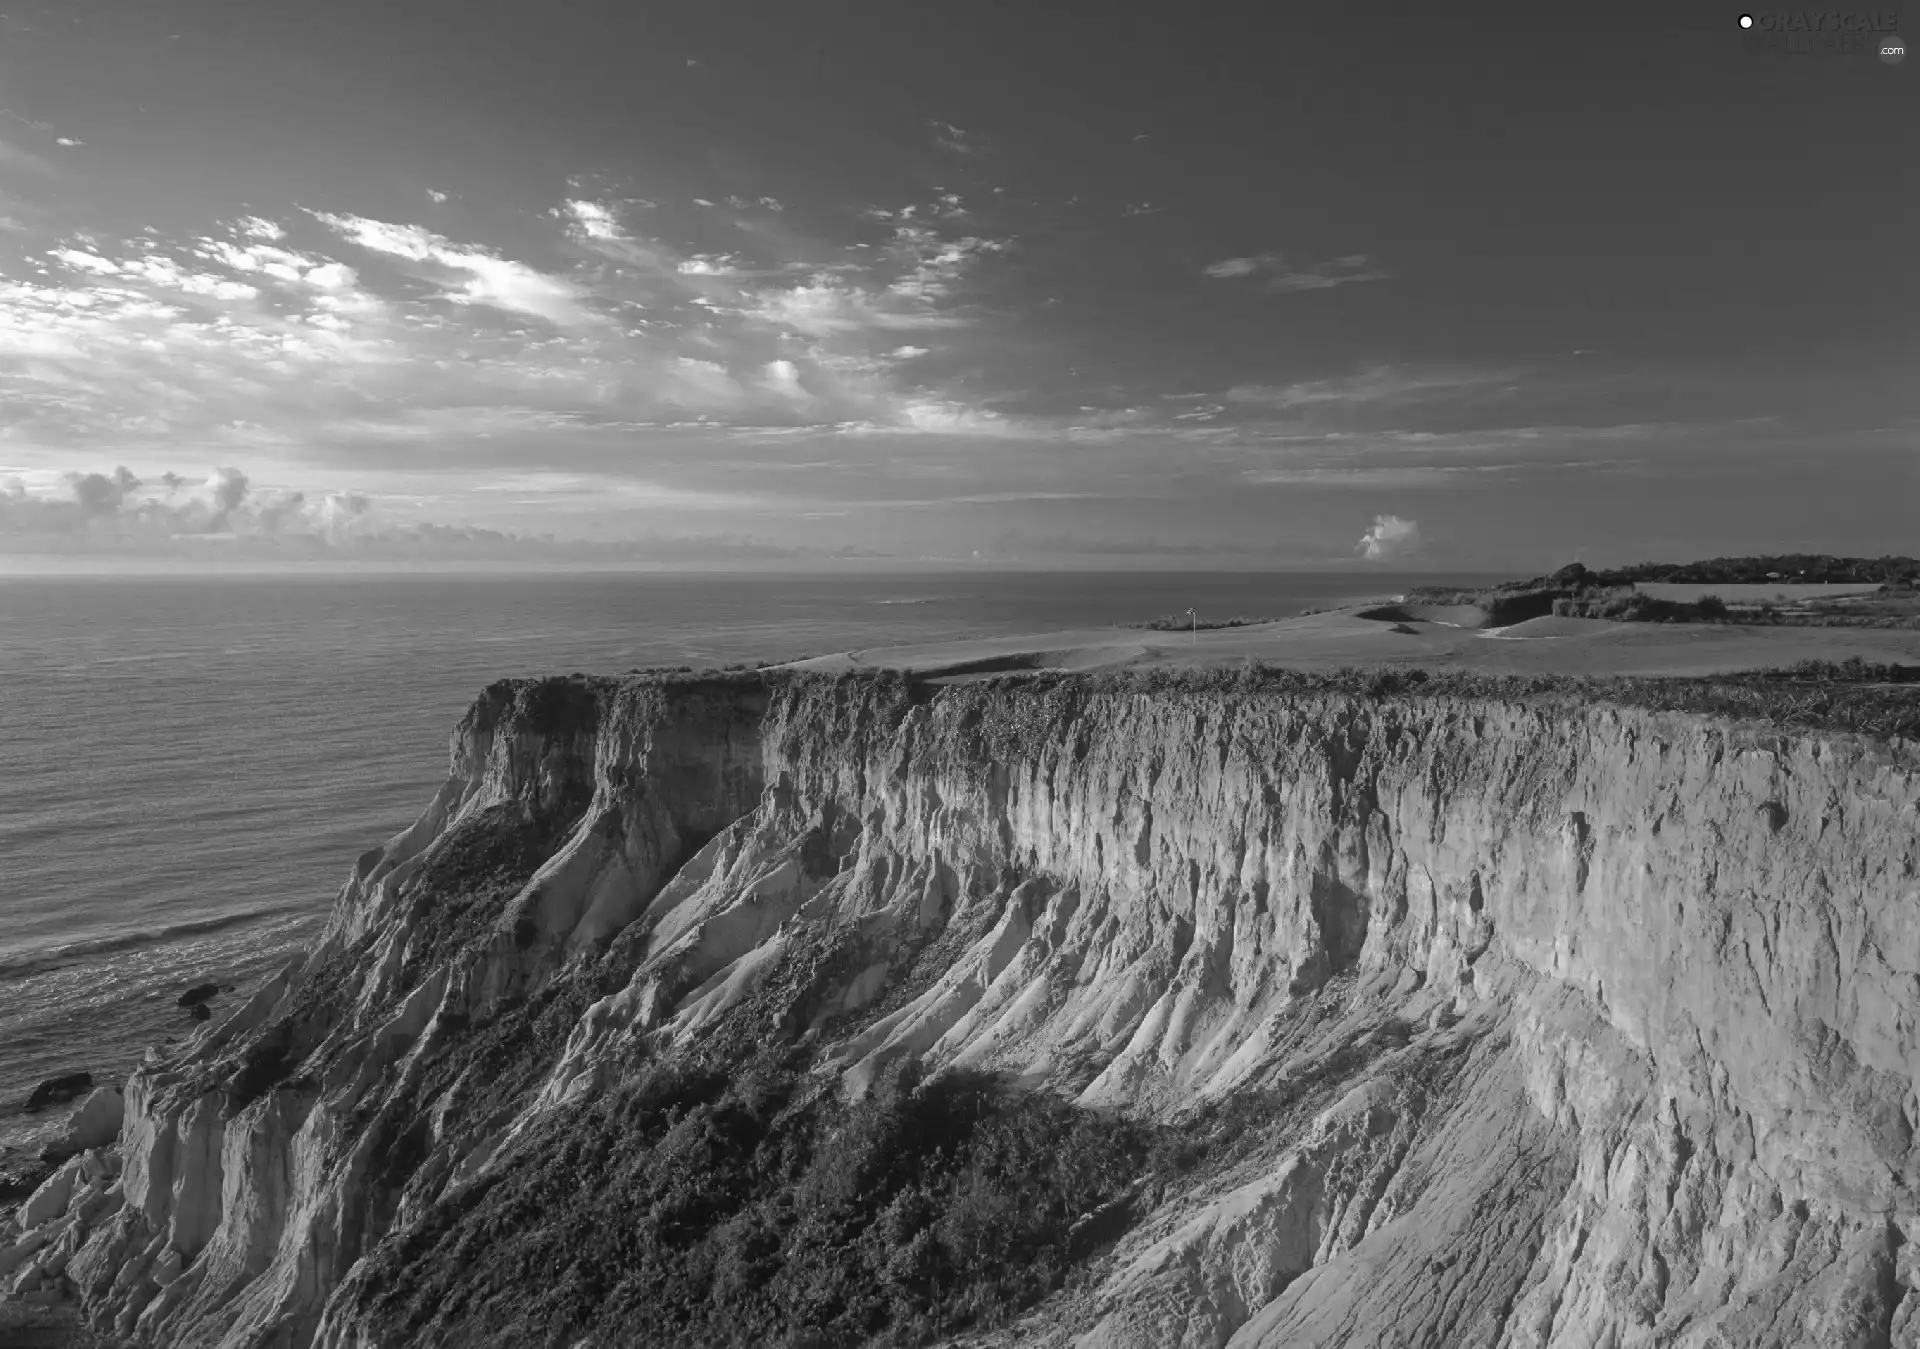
189 765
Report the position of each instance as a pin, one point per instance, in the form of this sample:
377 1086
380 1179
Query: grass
1617 602
1853 696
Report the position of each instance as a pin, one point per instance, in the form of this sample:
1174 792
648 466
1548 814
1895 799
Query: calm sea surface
189 766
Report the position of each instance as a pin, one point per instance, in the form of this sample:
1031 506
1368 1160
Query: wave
130 660
926 599
57 957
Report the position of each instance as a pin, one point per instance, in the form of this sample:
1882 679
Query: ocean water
190 765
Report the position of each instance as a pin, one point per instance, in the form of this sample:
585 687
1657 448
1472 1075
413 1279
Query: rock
97 1122
12 1257
200 1012
59 1090
27 1277
21 1175
1573 574
44 1297
198 995
167 1268
50 1200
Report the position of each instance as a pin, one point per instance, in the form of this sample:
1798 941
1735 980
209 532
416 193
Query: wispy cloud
478 276
1273 273
950 137
1376 385
258 337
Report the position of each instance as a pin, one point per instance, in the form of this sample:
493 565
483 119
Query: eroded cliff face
1551 1024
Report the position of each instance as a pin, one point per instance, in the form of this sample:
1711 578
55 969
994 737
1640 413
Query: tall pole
1194 633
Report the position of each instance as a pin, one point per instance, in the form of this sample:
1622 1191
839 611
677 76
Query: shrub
753 1207
1182 623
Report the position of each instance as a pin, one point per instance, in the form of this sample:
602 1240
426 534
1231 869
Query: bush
1182 623
753 1207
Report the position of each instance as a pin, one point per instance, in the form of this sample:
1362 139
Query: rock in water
21 1175
59 1090
200 1012
198 994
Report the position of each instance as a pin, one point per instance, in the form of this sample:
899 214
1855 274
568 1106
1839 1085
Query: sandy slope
1318 641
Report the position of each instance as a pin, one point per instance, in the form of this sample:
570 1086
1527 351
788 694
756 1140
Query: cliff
804 1010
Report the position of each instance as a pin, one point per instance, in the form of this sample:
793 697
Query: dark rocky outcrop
21 1175
59 1090
198 995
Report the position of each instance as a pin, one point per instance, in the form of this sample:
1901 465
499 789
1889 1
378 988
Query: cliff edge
813 1010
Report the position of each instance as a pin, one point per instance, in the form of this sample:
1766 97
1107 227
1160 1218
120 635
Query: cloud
99 493
592 219
1390 538
160 271
1364 478
1278 276
105 515
950 137
487 278
229 488
68 142
436 196
1376 384
257 341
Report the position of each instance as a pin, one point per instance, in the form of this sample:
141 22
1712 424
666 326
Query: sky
871 284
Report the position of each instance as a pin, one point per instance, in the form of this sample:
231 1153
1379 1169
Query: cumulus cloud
118 509
229 488
100 493
110 513
1277 275
1389 538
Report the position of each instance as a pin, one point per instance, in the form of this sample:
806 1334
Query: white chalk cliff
1613 1015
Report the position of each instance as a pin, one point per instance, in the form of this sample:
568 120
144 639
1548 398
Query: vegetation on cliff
749 1205
1579 592
1820 568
